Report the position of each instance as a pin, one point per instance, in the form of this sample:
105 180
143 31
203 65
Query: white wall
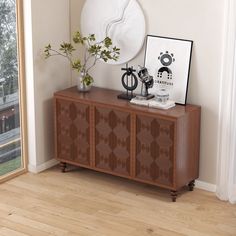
49 21
201 21
45 21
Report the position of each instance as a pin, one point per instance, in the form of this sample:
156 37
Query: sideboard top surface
109 97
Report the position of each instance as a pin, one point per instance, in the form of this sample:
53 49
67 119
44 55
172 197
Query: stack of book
153 103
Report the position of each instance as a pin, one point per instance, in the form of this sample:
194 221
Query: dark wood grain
112 140
100 132
73 131
155 149
63 166
174 195
191 185
108 97
187 148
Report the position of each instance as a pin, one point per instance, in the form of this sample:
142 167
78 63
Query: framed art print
168 61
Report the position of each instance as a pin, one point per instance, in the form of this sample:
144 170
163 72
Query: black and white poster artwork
168 61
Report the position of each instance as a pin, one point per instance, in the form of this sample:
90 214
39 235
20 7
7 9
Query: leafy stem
103 50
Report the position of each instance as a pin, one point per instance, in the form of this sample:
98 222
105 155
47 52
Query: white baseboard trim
205 186
42 167
37 169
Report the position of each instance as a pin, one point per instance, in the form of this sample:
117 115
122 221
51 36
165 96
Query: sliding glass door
12 119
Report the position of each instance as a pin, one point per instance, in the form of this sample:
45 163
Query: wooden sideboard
96 130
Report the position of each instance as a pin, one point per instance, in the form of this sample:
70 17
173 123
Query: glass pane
10 137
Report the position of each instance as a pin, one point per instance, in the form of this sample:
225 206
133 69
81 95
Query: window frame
22 93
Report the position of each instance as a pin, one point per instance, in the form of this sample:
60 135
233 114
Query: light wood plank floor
86 203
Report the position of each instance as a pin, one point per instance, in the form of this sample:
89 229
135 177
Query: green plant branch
94 63
98 50
87 58
60 54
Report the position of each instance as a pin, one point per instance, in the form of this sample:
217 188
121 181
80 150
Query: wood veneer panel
112 140
108 97
73 131
98 131
155 150
187 148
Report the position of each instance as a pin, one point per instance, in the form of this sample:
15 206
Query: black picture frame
168 60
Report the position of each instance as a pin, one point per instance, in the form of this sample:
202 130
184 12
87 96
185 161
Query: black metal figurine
130 82
147 82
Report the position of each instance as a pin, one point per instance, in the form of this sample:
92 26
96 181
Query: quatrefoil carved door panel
73 131
112 140
154 150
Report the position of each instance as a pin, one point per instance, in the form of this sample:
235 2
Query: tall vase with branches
93 51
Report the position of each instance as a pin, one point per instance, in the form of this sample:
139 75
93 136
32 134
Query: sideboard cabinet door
112 140
72 132
155 150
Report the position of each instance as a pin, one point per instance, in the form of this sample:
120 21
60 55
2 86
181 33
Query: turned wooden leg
191 185
63 167
174 195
